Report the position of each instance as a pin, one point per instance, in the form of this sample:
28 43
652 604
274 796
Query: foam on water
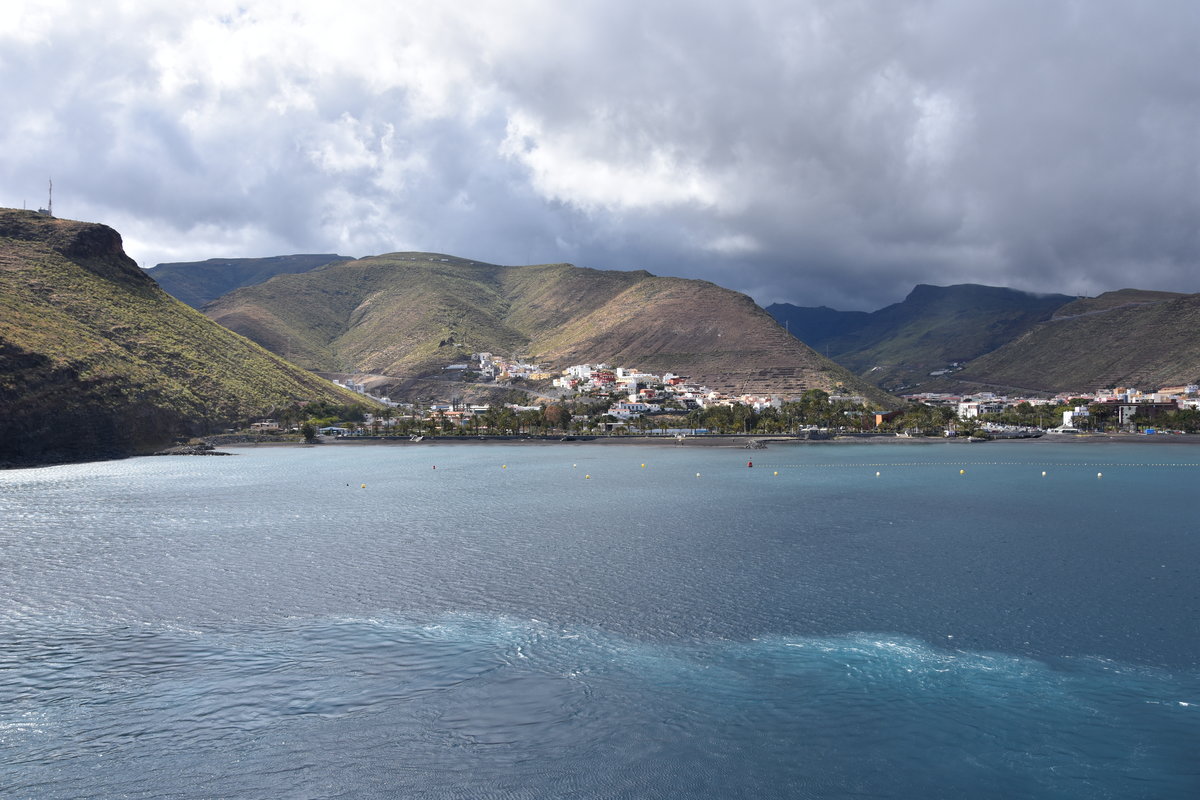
520 706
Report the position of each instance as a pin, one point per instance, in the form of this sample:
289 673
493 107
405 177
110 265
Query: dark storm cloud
806 152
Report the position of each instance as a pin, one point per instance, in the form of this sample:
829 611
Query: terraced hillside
1126 338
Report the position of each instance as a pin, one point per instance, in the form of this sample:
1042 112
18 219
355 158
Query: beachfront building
969 409
1076 417
1127 412
631 410
760 403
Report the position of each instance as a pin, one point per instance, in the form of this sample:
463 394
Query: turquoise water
905 620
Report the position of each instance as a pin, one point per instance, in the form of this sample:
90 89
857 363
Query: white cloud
569 168
734 244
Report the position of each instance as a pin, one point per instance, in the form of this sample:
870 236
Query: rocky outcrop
192 449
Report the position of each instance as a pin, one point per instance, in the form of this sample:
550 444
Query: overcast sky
808 152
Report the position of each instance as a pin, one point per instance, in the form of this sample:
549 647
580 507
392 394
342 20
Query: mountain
818 326
934 327
406 316
199 282
1125 338
97 361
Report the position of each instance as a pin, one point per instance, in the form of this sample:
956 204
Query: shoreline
733 441
730 441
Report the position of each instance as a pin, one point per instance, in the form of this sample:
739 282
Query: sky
801 151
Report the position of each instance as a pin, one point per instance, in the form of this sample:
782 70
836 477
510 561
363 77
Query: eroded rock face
198 449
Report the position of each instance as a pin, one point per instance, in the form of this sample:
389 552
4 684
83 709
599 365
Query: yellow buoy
364 486
697 474
1043 473
504 466
776 473
587 477
643 466
962 472
877 473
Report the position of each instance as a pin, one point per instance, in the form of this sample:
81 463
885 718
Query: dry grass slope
407 315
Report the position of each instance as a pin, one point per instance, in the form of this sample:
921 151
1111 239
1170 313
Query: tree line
813 409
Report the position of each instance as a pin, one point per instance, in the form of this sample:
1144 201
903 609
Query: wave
496 699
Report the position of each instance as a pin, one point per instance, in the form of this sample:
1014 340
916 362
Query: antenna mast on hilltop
49 209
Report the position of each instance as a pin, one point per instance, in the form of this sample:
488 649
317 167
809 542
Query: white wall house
630 410
1072 418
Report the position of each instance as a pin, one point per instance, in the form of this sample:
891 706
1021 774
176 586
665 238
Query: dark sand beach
733 441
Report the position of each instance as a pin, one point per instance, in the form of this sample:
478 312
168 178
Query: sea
595 620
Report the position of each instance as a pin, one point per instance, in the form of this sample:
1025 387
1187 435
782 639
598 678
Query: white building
970 409
1074 416
759 403
630 410
581 371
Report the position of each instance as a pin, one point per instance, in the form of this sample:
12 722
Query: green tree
1103 416
309 432
926 419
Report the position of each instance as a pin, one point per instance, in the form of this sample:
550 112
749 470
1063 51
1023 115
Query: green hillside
1126 338
405 316
97 361
198 283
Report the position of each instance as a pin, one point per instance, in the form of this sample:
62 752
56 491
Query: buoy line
977 464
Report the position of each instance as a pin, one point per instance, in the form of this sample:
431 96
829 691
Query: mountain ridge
931 329
200 282
975 338
409 314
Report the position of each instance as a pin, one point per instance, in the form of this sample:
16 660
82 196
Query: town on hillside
599 399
